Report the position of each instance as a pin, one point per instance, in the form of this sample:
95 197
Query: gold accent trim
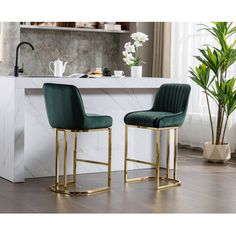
175 151
142 162
168 154
64 187
150 128
57 162
75 154
65 159
92 162
140 179
161 182
157 158
126 154
76 192
109 156
169 183
84 130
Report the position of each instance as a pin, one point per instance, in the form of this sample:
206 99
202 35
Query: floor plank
206 188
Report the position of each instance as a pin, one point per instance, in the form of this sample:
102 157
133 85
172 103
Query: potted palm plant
212 76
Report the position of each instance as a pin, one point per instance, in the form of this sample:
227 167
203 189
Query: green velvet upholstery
169 108
65 109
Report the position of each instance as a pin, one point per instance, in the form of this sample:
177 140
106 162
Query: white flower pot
216 153
136 71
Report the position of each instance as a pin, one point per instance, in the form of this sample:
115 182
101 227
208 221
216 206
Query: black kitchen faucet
18 70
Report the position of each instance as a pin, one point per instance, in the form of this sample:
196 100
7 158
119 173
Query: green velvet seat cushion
94 121
169 108
154 119
65 109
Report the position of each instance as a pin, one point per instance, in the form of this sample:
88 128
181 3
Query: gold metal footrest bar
140 179
142 162
74 191
93 162
68 183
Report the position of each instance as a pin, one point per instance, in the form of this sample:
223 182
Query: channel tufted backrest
172 98
64 105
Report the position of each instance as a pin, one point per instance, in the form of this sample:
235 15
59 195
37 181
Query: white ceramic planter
216 153
136 71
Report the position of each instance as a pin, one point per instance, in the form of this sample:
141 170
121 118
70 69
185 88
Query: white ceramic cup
118 73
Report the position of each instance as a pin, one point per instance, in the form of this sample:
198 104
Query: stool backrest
64 105
172 98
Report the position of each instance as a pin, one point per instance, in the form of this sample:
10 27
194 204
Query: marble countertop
103 82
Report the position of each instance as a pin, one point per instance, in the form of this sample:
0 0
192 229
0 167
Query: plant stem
209 112
221 121
139 55
217 142
220 115
223 136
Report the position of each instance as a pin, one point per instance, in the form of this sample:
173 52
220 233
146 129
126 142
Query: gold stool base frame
168 183
69 191
69 187
162 182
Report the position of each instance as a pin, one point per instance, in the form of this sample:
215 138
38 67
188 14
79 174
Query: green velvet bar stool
168 113
66 113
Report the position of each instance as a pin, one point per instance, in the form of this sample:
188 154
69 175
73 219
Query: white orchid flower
130 47
139 36
130 57
128 61
127 45
138 44
125 53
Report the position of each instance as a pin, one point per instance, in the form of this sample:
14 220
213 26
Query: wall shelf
33 27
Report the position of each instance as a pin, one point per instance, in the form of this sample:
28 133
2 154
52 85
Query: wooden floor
206 188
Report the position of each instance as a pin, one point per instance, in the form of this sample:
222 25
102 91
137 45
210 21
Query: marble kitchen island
27 142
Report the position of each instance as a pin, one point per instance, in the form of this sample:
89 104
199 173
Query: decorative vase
136 71
216 153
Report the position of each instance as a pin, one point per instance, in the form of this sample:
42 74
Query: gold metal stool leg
65 159
168 154
158 159
175 151
109 157
57 162
63 187
126 154
75 154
